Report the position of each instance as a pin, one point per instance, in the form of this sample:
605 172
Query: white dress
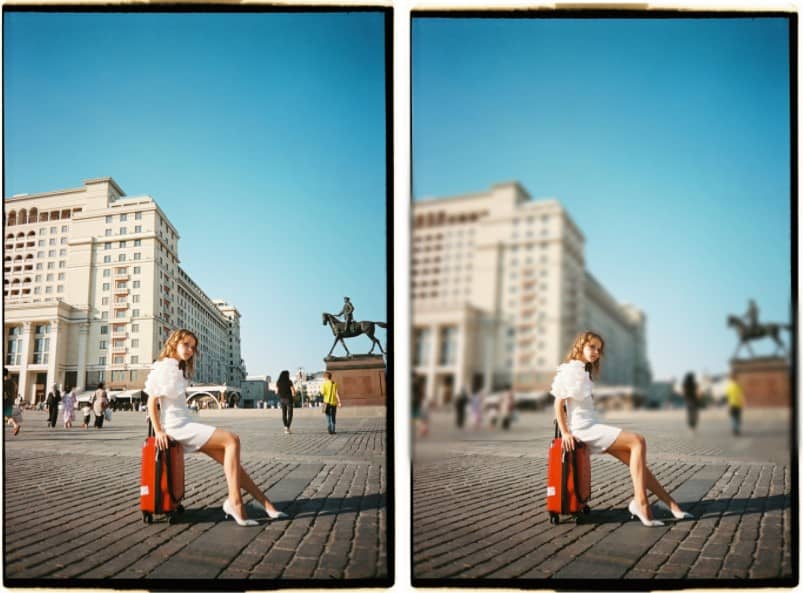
573 384
167 381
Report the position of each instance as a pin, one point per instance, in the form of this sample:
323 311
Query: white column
460 358
27 328
52 355
433 359
489 329
83 339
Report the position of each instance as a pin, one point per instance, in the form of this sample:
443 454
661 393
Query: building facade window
448 345
14 346
421 346
102 360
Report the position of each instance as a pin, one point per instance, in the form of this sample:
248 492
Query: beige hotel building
92 287
499 292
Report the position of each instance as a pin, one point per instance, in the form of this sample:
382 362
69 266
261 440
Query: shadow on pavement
703 509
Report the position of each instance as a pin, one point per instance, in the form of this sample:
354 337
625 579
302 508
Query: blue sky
667 141
261 136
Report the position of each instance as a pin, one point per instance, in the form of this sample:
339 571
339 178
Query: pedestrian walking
735 403
690 395
68 414
11 413
460 403
476 410
100 403
52 403
572 386
166 386
287 396
507 406
86 411
331 402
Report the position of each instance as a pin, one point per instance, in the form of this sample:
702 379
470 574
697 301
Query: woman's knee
639 443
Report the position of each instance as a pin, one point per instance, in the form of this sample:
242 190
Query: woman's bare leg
650 481
244 480
634 447
224 447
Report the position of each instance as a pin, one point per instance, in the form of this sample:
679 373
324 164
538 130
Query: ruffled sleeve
165 379
571 380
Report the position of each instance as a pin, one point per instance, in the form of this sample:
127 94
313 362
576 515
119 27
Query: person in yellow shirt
735 403
331 401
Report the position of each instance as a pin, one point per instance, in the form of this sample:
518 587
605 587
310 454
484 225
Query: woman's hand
161 439
568 442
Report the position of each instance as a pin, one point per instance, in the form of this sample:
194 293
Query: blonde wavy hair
171 349
576 351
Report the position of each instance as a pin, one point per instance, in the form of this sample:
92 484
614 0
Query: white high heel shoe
229 512
681 515
272 514
634 512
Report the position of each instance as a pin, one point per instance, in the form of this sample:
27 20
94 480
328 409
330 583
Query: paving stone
301 473
720 480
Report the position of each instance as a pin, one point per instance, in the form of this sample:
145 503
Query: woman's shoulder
165 363
571 367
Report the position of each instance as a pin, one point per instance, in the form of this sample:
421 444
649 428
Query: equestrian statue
350 328
749 329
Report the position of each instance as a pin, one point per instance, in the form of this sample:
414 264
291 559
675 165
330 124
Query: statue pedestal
765 381
360 379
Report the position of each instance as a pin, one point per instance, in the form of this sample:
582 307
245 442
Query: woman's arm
560 416
153 414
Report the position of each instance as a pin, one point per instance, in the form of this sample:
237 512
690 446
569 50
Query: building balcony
119 335
121 276
119 349
121 305
120 290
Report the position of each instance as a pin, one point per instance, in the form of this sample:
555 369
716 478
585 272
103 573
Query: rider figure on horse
752 318
347 313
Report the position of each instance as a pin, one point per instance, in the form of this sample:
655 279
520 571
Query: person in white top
166 385
573 386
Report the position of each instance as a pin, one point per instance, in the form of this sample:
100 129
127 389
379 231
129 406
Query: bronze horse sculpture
762 330
357 328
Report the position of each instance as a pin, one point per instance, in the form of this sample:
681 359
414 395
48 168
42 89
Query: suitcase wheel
171 518
554 518
147 517
586 510
180 508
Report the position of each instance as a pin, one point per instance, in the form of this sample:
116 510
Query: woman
10 411
68 401
572 385
166 385
331 401
287 395
690 395
99 404
53 401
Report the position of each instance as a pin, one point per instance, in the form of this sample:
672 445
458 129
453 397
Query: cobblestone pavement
479 508
71 505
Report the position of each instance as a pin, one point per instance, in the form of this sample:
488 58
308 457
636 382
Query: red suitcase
568 479
162 480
